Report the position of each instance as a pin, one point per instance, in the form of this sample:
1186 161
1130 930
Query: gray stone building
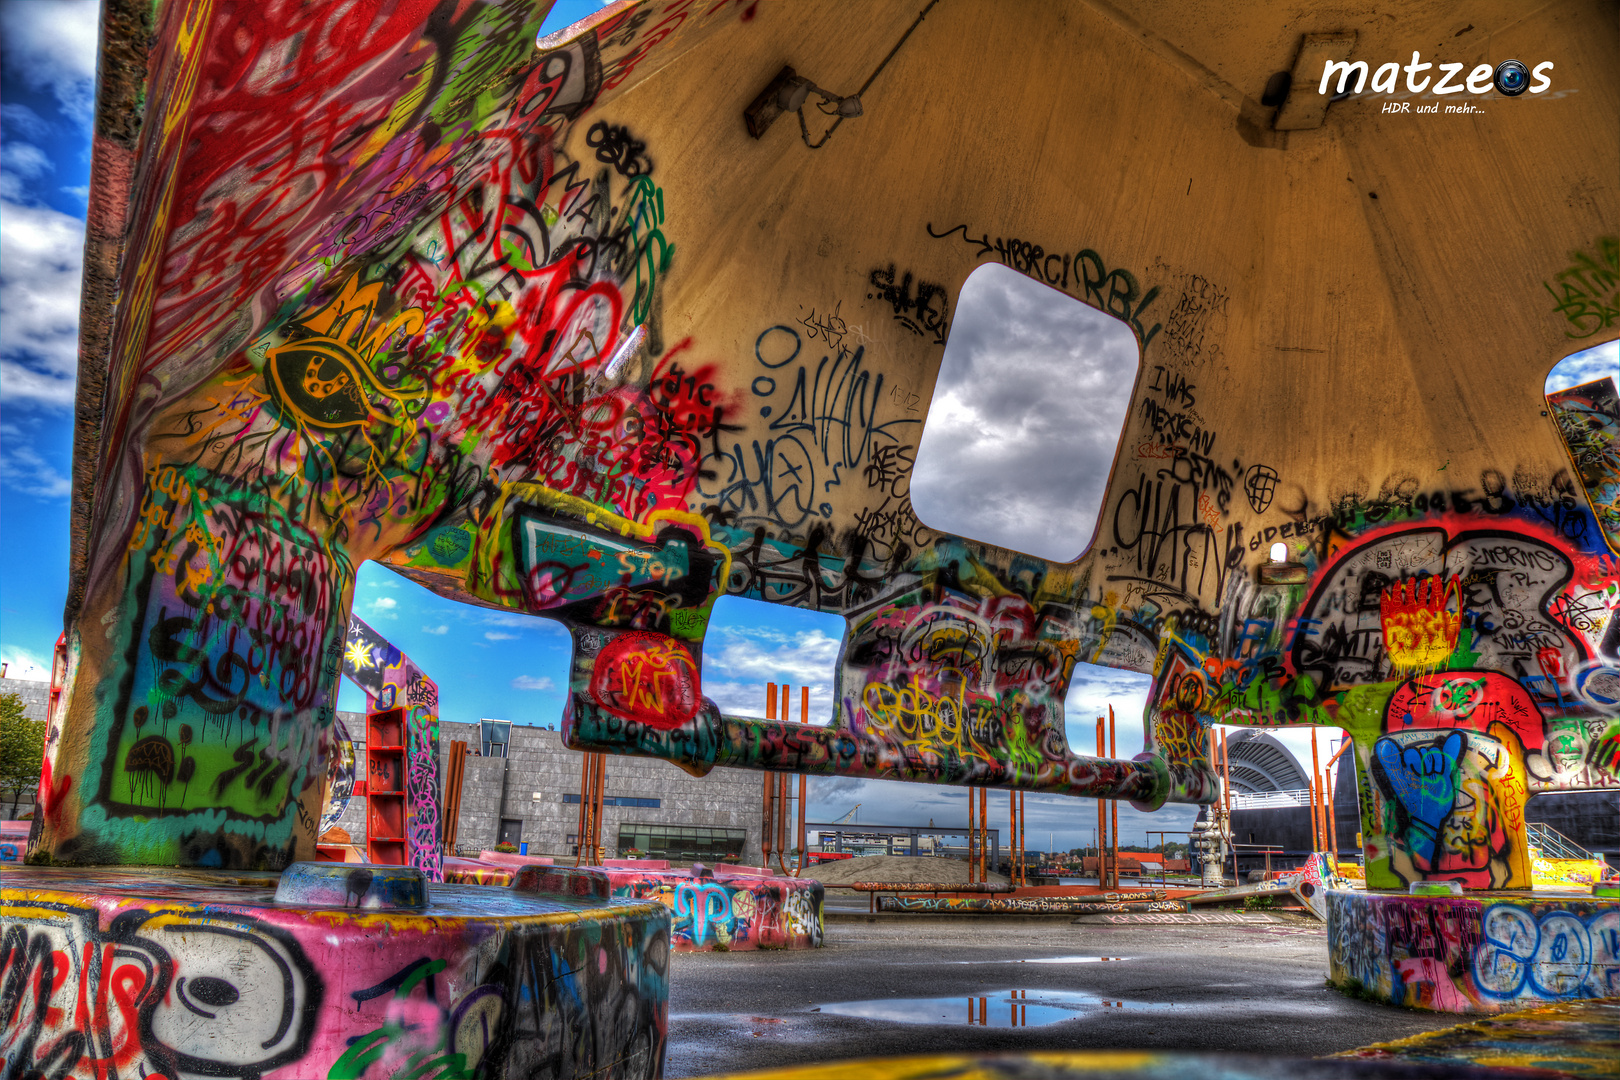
522 785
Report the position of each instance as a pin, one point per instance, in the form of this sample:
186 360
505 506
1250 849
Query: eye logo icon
1260 485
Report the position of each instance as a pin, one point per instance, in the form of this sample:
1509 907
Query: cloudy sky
999 424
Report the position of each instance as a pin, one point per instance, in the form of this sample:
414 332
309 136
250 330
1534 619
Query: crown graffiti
1422 619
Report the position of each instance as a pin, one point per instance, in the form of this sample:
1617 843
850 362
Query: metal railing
1265 800
1553 844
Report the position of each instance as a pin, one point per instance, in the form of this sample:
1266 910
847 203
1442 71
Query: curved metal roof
1260 763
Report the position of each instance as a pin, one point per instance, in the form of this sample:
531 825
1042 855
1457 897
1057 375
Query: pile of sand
898 869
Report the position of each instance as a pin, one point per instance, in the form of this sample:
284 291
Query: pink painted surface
14 840
733 870
501 858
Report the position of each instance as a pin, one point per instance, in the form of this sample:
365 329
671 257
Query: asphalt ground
1251 989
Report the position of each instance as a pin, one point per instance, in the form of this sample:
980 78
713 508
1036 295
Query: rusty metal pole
973 835
767 827
1023 839
984 834
1316 784
782 821
596 815
1102 819
1113 804
1332 818
1226 801
1012 837
804 850
584 805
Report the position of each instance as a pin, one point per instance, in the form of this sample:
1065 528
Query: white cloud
20 120
441 629
23 664
1585 366
52 46
529 682
385 603
25 159
748 699
496 635
508 619
41 254
1026 416
807 659
23 470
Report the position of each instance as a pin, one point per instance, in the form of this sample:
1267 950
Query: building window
495 735
619 800
683 843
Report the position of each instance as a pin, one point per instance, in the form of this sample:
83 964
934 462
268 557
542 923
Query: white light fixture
1279 552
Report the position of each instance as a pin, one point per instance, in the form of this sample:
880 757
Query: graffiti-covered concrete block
142 973
1486 953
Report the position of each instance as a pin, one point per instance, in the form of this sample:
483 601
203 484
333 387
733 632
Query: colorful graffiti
339 776
1588 418
392 681
181 975
730 912
1468 955
712 910
427 298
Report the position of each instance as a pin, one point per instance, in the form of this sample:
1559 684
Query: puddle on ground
1001 1009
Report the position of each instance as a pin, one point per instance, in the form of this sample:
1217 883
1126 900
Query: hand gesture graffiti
1423 779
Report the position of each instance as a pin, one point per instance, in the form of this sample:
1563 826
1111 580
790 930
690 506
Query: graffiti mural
1493 954
407 283
392 681
339 777
191 977
1588 418
734 912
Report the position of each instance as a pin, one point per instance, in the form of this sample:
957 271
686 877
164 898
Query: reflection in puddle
1002 1009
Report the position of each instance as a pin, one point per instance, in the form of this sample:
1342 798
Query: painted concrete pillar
203 676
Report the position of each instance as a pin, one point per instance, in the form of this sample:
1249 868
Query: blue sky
511 666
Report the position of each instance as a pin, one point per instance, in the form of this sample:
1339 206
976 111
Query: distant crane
849 816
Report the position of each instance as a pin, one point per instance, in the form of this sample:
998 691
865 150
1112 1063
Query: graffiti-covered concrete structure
493 344
543 325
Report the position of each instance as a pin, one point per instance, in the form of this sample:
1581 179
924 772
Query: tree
22 748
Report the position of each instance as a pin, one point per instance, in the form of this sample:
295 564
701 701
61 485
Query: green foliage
506 848
22 748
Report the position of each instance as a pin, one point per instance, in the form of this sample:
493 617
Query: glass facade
682 843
